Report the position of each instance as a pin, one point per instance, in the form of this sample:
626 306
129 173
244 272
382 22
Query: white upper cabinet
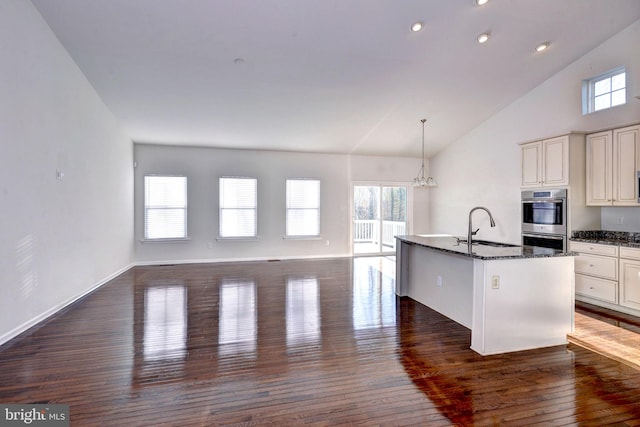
531 164
545 163
613 160
599 172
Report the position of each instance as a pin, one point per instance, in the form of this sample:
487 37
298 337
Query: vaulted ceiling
339 76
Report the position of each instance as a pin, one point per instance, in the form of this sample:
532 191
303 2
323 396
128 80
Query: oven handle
545 236
542 200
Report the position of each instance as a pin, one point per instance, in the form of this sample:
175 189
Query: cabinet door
598 169
625 166
531 156
555 161
630 284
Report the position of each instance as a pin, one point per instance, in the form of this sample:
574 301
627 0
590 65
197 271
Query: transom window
238 207
604 91
165 207
303 207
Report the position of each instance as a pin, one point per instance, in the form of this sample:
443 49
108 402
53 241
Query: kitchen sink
494 244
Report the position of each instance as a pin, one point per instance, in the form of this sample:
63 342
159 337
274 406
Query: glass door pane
394 216
366 219
380 214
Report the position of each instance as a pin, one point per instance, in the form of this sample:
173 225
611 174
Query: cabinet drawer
595 265
594 248
629 253
593 287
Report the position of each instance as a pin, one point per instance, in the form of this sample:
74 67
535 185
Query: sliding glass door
379 214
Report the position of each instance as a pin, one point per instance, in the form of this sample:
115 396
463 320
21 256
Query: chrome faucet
473 233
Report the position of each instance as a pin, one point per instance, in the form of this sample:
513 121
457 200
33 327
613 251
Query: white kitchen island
512 298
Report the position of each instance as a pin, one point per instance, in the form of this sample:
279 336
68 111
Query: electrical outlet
439 281
620 220
495 282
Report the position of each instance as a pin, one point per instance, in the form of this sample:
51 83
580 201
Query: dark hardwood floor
320 342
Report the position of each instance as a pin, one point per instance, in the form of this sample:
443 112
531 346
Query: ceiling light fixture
483 37
481 2
420 180
417 26
542 46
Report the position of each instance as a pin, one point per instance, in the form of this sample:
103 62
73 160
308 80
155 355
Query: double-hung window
238 207
165 207
303 208
604 91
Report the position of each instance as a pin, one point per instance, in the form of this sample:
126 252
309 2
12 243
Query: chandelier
420 180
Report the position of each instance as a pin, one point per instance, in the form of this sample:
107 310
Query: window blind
238 207
303 207
165 207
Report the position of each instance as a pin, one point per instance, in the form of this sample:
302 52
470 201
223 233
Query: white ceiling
339 76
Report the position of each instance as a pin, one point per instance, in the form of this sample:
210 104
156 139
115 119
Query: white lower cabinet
609 275
605 267
593 287
596 268
630 278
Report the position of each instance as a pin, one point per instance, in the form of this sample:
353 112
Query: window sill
176 240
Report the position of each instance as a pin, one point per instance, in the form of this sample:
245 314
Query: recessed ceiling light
542 46
417 26
483 37
481 2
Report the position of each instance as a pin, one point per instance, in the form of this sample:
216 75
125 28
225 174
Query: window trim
319 209
588 90
220 237
184 238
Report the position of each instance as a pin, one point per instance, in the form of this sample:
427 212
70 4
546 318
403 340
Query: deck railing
368 231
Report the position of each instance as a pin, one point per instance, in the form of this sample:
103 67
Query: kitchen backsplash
620 219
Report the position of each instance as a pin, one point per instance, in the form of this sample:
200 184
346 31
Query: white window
604 91
303 207
165 207
238 207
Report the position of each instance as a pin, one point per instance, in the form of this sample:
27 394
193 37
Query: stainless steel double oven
544 218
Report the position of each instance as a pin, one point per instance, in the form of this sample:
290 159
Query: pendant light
420 180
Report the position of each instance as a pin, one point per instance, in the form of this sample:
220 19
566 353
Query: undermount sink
494 244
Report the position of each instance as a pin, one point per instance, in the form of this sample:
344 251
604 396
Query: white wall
483 167
60 238
203 167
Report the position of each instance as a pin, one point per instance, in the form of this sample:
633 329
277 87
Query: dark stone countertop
604 237
446 243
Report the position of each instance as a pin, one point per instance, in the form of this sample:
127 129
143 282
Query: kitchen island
511 297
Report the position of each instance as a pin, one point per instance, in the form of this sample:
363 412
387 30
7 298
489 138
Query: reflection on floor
295 343
609 333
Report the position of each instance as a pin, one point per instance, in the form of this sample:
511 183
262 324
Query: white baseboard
53 310
221 260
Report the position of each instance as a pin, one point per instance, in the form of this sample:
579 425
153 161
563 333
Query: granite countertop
604 237
448 243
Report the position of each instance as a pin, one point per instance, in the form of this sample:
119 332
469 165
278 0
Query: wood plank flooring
615 335
292 343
